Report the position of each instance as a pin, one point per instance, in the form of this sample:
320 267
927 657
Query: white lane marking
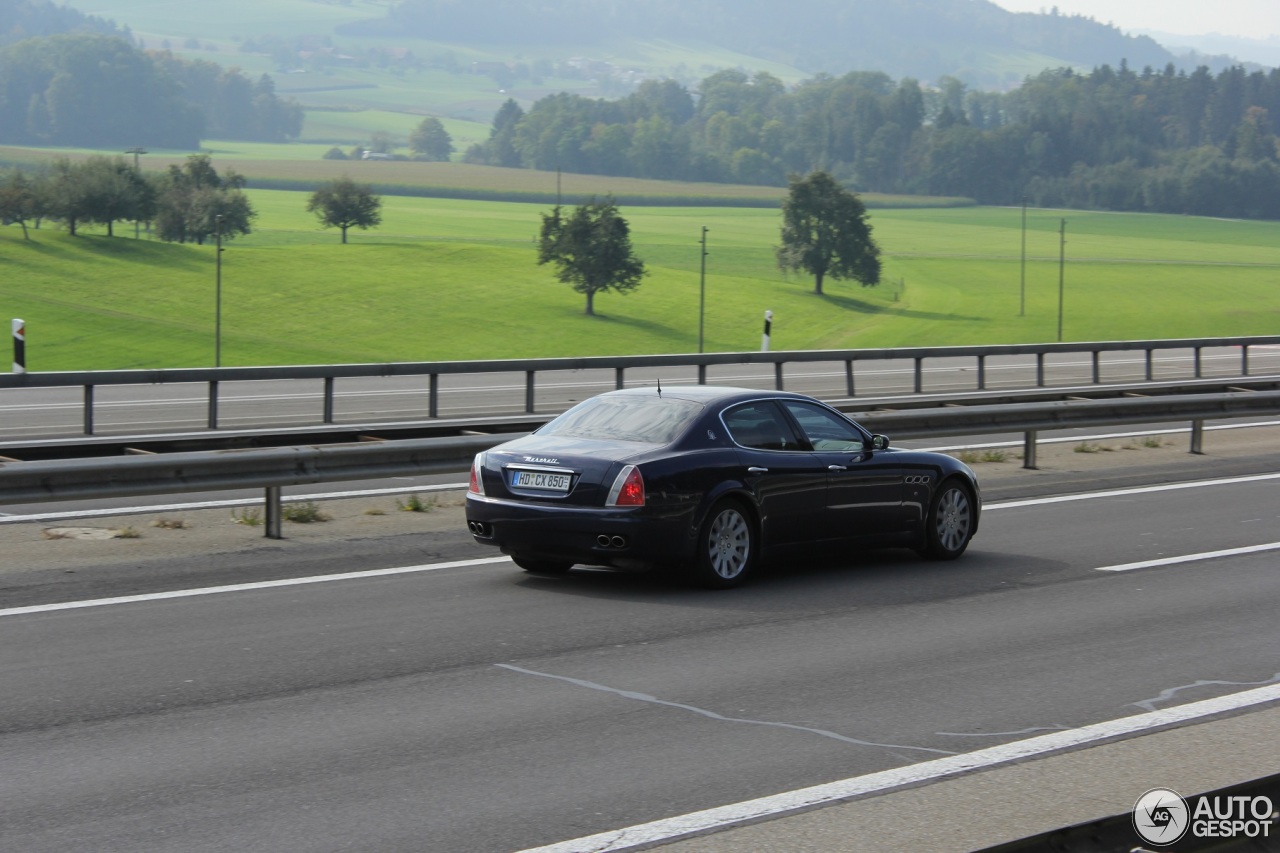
244 587
645 697
1191 558
1138 490
672 828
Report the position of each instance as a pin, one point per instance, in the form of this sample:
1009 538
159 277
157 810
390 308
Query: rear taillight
476 486
628 488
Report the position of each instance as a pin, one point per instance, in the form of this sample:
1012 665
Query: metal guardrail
329 374
273 468
228 439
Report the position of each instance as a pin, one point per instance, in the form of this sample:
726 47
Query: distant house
375 155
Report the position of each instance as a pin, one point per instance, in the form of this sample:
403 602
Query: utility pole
702 288
1062 269
217 328
1022 305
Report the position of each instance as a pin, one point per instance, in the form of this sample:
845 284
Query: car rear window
652 420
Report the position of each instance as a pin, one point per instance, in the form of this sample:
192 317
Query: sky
1257 19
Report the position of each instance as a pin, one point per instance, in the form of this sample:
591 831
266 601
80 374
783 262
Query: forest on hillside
24 19
99 91
921 38
1113 138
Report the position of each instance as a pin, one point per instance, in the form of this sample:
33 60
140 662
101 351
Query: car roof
705 394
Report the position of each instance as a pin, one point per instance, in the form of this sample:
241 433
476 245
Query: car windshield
648 419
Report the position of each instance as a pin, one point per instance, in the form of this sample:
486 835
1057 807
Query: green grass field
445 279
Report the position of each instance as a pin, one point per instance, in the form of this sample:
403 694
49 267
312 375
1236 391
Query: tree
195 203
113 190
342 203
20 200
431 140
591 249
66 196
825 233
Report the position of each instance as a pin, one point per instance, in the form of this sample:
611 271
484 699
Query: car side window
762 427
825 429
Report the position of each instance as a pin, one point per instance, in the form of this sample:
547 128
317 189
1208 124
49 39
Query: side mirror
879 442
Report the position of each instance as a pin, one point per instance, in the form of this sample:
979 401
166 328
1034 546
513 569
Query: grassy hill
448 279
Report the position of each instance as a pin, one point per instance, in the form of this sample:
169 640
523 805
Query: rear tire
949 526
542 567
726 554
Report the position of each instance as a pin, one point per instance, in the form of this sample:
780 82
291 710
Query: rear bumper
623 538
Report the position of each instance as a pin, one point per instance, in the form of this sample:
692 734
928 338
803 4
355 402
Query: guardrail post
88 410
1029 450
777 375
982 373
1197 437
528 392
1150 364
1198 362
274 512
1039 370
1097 367
919 374
702 374
213 404
433 396
328 399
619 382
848 377
1244 360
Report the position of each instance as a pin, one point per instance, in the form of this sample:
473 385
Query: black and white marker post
768 326
19 347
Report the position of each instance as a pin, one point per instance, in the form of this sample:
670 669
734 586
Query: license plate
544 480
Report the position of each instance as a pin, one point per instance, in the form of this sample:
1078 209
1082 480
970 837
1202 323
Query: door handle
836 468
754 470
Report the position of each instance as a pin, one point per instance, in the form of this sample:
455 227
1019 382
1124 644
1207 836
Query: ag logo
1160 816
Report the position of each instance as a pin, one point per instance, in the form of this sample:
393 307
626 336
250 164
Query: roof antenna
659 386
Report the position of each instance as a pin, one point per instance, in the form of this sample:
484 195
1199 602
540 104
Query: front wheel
542 567
949 526
726 548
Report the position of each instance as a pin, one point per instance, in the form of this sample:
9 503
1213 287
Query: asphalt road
474 708
58 412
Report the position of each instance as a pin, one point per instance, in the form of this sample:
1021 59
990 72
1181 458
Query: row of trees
188 203
100 91
1155 140
824 232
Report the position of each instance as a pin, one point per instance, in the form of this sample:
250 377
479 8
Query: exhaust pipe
479 528
604 540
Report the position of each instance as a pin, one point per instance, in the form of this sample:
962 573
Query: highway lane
476 708
50 412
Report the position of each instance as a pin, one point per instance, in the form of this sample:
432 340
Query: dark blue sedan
710 481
